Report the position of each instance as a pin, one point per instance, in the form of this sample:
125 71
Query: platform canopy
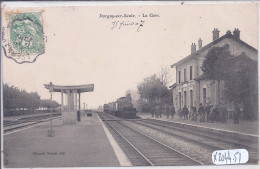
78 88
71 103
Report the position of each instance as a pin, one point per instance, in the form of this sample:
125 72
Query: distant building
191 87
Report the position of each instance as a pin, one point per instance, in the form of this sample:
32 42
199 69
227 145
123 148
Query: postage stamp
23 38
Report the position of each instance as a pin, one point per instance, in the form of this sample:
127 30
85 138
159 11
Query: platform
244 127
84 144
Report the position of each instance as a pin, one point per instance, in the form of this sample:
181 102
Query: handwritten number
239 157
227 157
219 158
114 24
141 24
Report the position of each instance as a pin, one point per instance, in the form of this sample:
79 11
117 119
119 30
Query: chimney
228 32
193 47
200 43
236 33
215 34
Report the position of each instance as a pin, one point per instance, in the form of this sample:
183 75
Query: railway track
27 119
26 122
206 141
143 150
210 141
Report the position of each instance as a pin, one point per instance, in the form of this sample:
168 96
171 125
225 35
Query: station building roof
196 53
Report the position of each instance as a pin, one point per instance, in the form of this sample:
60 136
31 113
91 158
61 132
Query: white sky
82 49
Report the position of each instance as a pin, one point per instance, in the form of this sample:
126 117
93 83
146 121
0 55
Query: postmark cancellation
23 37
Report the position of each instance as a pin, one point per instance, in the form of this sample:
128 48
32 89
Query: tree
152 91
15 99
216 65
242 84
35 100
239 74
164 76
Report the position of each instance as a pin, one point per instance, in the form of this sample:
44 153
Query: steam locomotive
122 107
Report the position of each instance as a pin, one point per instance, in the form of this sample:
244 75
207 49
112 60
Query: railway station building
192 87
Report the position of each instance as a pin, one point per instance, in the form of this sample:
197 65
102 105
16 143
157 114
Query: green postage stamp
23 37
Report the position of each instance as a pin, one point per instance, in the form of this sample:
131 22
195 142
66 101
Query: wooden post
62 104
68 100
79 101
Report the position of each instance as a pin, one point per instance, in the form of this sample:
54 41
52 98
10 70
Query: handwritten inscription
236 156
128 20
120 24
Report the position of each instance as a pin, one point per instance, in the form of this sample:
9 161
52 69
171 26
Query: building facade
191 87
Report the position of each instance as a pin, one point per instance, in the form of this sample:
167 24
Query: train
122 107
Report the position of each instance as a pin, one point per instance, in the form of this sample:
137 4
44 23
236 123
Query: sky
82 48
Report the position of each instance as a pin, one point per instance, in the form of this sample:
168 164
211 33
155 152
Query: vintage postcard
129 84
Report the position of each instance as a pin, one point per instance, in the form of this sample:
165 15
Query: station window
185 98
190 72
204 95
179 76
185 79
179 99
